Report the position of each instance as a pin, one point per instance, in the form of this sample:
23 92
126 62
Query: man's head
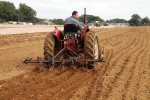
75 14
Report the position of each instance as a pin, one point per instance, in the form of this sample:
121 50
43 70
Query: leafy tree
117 20
145 20
105 24
19 16
1 20
29 14
7 11
90 18
40 19
135 20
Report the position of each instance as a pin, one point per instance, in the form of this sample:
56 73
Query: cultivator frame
51 61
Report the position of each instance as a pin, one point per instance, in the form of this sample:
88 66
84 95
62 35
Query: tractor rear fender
58 35
83 32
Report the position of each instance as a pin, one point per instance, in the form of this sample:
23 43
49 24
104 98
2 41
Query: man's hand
85 25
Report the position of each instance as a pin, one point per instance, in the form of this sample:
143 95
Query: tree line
135 20
116 20
25 13
90 18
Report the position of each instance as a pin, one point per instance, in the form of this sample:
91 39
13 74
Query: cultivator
70 47
62 61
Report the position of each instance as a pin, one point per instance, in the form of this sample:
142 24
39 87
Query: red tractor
71 46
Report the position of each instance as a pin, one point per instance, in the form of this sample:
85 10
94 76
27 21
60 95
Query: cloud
107 9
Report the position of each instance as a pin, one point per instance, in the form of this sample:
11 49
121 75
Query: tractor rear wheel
49 46
91 48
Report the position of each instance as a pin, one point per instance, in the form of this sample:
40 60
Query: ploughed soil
124 76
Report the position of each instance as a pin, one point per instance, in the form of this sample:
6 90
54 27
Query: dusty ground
21 29
124 76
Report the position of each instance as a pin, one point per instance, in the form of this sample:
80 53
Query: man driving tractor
73 20
61 48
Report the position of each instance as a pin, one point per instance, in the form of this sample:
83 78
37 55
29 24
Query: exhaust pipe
85 17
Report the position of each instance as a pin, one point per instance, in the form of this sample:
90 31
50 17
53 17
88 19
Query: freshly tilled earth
124 76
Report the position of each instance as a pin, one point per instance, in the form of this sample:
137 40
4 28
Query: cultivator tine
62 68
82 64
81 57
62 65
85 68
102 57
72 63
39 68
27 59
51 66
86 64
73 67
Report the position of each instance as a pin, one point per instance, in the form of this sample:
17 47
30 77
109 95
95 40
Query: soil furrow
122 65
124 76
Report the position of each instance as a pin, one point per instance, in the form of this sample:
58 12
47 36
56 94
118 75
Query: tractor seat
70 28
71 31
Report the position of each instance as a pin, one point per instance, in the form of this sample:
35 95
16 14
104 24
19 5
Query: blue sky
106 9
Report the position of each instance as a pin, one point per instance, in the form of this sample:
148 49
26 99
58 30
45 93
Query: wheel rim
96 53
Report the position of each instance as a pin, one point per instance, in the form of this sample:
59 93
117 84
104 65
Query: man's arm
79 25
